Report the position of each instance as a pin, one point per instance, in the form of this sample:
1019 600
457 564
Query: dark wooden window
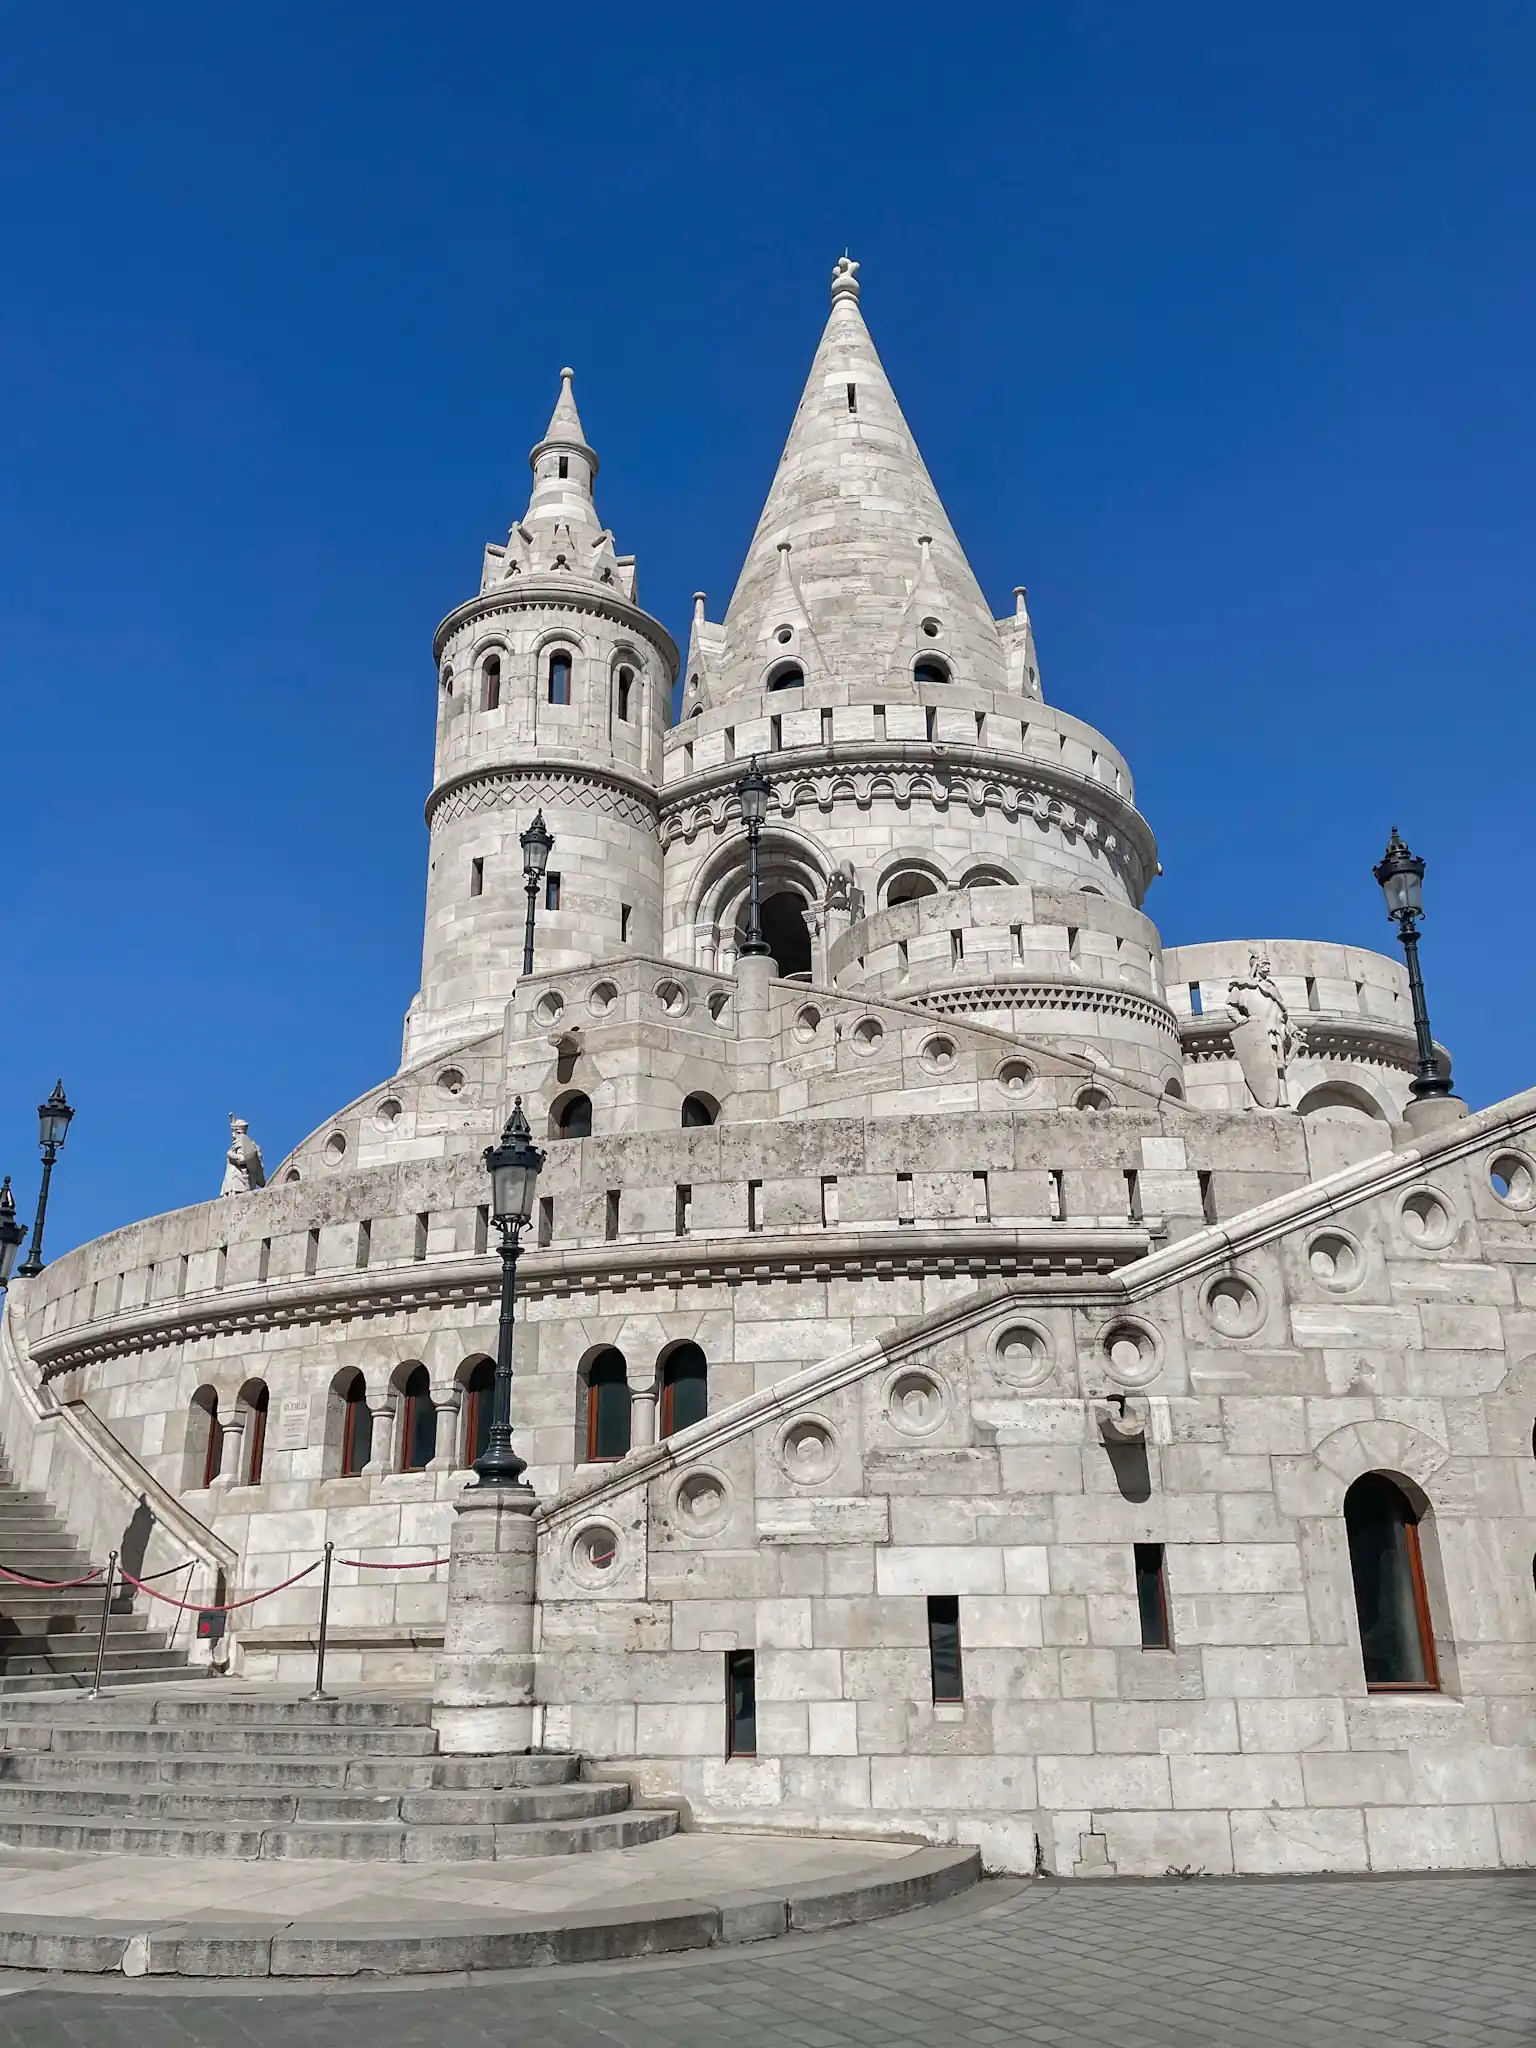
256 1431
607 1407
559 678
575 1119
492 673
356 1428
479 1407
944 1647
213 1453
1152 1597
684 1389
740 1703
418 1434
1396 1639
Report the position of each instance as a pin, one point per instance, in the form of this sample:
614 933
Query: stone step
345 1842
35 1617
281 1774
41 1686
273 1805
67 1655
239 1741
255 1710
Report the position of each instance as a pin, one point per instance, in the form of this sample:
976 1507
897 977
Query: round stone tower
554 688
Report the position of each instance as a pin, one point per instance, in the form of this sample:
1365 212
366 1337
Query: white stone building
1056 1391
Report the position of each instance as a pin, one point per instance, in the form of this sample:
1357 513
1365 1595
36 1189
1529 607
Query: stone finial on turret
845 279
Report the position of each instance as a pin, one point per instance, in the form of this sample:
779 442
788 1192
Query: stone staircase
48 1638
211 1770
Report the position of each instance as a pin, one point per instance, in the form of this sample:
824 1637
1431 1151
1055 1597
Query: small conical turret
560 533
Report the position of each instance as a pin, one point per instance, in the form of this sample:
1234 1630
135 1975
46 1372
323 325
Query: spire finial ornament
845 280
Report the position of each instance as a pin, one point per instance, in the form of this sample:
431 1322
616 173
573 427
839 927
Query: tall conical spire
565 428
854 498
560 532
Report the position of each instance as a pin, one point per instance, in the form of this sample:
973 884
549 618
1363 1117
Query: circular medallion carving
1335 1260
335 1148
1131 1352
1513 1180
1233 1305
601 997
807 1023
1023 1354
1427 1217
593 1553
916 1401
938 1054
450 1081
719 1003
549 1006
867 1034
701 1503
1016 1077
672 997
388 1114
808 1450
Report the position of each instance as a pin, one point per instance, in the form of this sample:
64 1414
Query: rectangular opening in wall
221 1260
626 914
1208 1197
829 1198
546 1228
730 743
1196 1000
551 892
775 733
611 1216
181 1276
1058 1195
311 1254
687 757
981 1198
1016 937
149 1281
906 1200
879 721
930 722
944 1648
1132 1195
956 948
901 955
740 1703
826 728
1152 1597
1072 945
981 728
482 1229
364 1244
423 1224
264 1259
565 467
853 397
683 1208
477 878
1312 1003
754 1205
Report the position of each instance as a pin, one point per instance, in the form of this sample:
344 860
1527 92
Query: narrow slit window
1386 1562
1312 1002
981 1198
356 1428
829 1198
826 728
930 722
1058 1195
1152 1597
880 732
611 1216
1196 1000
683 1208
477 878
418 1428
1208 1197
906 1203
626 914
565 466
956 948
311 1254
1016 935
256 1430
551 892
264 1259
944 1649
775 733
754 1205
423 1225
364 1245
482 1228
730 743
559 678
625 692
546 1227
492 673
1132 1195
853 397
981 728
903 960
740 1703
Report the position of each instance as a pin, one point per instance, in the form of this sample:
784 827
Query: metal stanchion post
106 1612
320 1692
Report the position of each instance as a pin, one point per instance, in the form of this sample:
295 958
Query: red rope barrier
21 1579
419 1564
229 1606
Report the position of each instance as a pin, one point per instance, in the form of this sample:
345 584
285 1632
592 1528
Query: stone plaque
288 1427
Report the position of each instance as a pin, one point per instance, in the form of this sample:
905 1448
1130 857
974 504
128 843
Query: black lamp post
13 1235
53 1117
536 843
1401 875
752 793
514 1169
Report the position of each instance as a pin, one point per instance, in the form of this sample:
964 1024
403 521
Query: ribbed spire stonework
854 499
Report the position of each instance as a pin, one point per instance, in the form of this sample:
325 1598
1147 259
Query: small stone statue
243 1170
1263 1037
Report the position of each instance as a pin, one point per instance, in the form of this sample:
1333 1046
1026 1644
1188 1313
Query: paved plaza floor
1415 1962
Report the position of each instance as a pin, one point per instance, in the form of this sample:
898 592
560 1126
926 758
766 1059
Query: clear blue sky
1215 325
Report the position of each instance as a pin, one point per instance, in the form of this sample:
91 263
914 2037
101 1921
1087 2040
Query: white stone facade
1003 1250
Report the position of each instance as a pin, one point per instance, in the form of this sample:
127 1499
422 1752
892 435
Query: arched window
987 878
559 677
909 888
356 1426
790 678
789 940
930 671
1396 1639
623 692
418 1424
607 1407
684 1389
575 1118
479 1408
255 1400
698 1112
205 1439
491 679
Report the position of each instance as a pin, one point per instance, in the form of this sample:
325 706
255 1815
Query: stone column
642 1415
751 1098
381 1455
231 1470
482 1684
445 1402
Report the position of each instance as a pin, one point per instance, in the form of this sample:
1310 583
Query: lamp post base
482 1684
1426 1113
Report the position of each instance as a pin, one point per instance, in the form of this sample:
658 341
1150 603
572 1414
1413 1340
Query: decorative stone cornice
1329 1037
940 773
1099 998
545 779
1059 1250
567 593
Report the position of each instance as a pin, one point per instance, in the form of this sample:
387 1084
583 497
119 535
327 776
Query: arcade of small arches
571 1115
553 672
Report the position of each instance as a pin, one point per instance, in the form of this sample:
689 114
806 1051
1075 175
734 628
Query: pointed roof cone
565 431
561 523
853 496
